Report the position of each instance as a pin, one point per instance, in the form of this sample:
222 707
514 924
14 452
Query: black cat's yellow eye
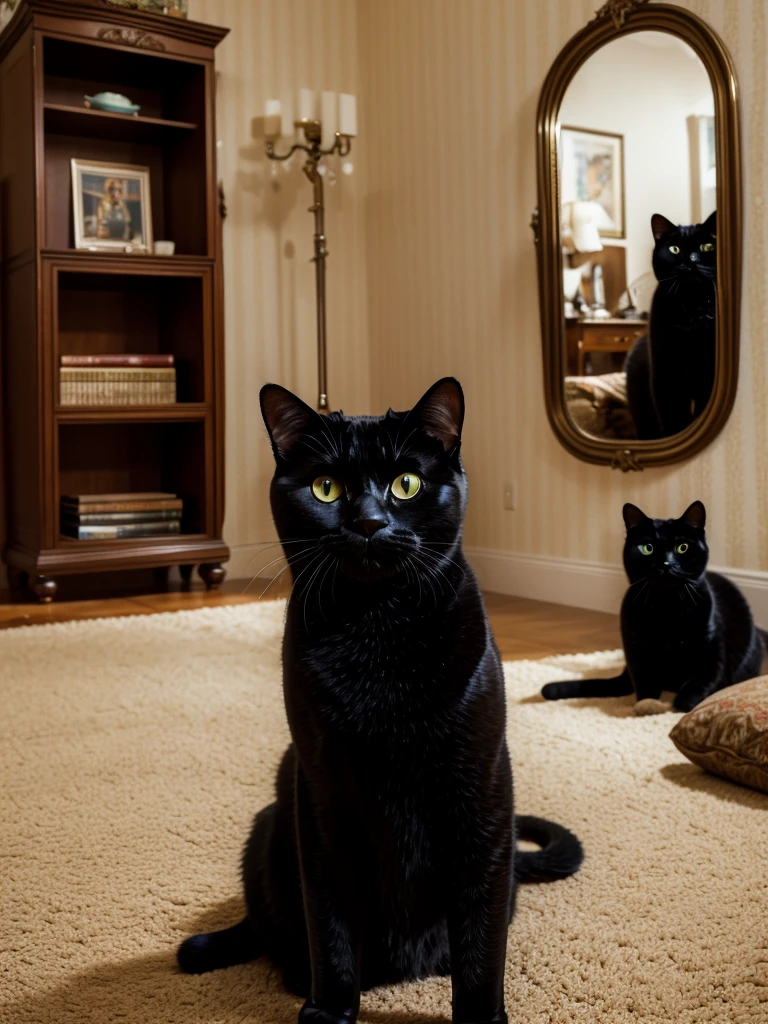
326 489
646 549
674 249
681 548
407 485
706 247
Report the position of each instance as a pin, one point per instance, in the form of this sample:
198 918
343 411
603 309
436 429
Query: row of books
113 516
148 379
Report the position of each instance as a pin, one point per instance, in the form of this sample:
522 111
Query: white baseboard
599 586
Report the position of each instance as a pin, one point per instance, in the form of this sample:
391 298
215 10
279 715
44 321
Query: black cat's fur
390 851
671 370
684 629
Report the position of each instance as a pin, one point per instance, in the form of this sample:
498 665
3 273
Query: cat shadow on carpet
690 776
152 990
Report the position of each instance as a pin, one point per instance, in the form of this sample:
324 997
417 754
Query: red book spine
128 360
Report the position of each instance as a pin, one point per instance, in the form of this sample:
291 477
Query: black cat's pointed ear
441 412
633 516
287 418
660 226
710 225
695 515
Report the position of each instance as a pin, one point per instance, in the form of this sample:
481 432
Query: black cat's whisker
308 588
279 558
265 545
310 565
399 451
333 582
416 575
440 557
320 587
437 565
278 574
322 450
641 590
430 576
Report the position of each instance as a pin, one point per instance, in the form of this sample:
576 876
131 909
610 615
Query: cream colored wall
276 47
432 263
449 96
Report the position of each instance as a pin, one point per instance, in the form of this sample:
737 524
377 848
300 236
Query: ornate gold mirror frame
619 18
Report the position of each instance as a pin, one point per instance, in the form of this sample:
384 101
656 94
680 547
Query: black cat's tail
211 950
560 855
616 686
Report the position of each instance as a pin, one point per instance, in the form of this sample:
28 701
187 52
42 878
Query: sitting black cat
390 851
671 370
683 629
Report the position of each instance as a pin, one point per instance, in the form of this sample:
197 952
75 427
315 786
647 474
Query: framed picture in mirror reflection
592 171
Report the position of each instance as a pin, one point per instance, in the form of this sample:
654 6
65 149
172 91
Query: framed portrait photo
592 170
112 207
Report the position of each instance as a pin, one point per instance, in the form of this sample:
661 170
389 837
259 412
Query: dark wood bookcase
57 300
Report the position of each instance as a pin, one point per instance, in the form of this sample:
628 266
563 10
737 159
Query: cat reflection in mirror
390 852
671 370
684 629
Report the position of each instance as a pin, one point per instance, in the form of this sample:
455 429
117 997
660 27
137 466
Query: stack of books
117 380
112 516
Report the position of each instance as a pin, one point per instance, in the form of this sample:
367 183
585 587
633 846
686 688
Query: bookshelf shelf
129 542
59 301
180 412
89 123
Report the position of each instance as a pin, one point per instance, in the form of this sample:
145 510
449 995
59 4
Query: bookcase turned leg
185 571
212 575
44 588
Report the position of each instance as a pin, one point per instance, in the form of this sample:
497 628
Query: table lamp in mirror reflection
581 234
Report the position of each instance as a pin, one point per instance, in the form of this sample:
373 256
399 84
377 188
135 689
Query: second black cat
684 629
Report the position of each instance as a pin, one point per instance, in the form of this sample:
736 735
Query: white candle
271 125
347 114
307 105
328 117
288 128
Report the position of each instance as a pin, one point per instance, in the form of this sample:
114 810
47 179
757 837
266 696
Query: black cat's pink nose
370 526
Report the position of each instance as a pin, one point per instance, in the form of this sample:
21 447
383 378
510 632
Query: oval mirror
639 236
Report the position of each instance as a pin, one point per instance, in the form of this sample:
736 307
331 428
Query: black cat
671 370
683 629
389 853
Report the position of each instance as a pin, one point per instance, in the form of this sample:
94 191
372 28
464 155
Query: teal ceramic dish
112 102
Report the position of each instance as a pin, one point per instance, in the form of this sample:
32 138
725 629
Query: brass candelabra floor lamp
314 153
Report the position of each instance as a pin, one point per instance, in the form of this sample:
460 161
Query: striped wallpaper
276 47
432 268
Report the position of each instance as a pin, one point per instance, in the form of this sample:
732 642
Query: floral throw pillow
728 733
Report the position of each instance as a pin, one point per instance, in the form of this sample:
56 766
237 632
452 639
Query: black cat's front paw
311 1013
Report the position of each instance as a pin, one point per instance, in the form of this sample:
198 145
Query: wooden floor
523 628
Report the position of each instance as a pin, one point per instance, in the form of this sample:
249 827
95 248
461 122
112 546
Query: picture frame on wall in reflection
592 171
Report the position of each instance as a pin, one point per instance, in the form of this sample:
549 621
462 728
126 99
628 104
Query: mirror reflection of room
637 174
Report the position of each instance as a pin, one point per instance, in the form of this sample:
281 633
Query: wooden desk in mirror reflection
584 338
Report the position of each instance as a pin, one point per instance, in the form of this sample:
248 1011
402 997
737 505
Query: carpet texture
135 751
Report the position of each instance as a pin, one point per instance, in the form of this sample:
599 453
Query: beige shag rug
135 751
